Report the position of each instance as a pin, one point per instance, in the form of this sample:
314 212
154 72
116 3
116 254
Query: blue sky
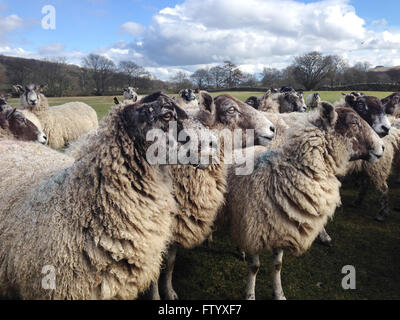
194 33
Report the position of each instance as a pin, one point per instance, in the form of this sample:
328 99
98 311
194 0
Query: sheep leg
384 206
154 293
325 239
253 265
166 283
362 191
276 274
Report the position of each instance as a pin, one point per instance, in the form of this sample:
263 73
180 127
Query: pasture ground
373 248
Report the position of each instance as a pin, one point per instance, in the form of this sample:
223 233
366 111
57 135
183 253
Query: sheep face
187 94
372 111
30 94
159 114
254 102
4 104
292 102
235 114
130 94
20 127
360 140
391 103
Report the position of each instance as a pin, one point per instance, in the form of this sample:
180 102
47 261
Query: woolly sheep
200 194
100 223
130 96
61 124
186 99
313 100
294 189
372 111
282 102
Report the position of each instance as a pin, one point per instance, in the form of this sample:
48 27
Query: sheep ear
328 113
116 101
266 96
9 115
181 113
19 89
206 102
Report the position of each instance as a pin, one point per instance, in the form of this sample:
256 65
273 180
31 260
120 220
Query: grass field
373 248
103 104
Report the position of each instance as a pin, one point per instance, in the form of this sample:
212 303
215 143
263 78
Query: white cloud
55 48
132 28
8 24
257 33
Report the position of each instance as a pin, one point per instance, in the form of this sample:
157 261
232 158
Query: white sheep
100 224
61 124
186 99
294 189
200 194
282 102
313 100
130 96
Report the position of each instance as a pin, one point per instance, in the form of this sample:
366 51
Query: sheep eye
231 110
167 116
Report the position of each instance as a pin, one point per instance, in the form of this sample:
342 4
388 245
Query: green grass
373 248
102 104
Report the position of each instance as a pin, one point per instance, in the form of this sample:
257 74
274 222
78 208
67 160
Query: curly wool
63 123
295 192
103 222
199 195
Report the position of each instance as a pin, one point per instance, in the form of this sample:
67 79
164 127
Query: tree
181 81
271 77
3 77
132 71
102 70
233 75
311 69
201 78
217 75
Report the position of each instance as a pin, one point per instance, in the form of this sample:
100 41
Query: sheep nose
385 129
383 147
272 128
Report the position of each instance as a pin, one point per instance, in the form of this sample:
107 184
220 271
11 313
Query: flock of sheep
110 223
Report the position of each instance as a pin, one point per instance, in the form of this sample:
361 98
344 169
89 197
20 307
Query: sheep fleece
102 226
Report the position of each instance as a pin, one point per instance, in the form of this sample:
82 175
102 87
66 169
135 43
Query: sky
168 36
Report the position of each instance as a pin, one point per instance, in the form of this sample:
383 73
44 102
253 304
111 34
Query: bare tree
233 75
181 80
217 76
311 69
132 71
102 70
201 78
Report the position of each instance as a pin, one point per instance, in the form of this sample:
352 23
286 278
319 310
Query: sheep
186 99
4 103
295 189
372 111
14 126
378 173
282 102
392 104
61 124
313 100
99 224
200 195
130 95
